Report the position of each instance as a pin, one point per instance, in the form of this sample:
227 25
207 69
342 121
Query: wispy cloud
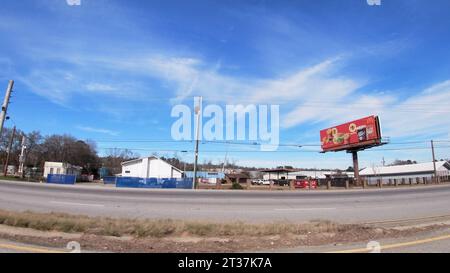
313 90
97 130
425 113
319 94
100 87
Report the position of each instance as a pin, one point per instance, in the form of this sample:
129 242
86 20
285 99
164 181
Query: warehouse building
292 174
150 167
402 173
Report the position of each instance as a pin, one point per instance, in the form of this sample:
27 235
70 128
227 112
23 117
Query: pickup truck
281 182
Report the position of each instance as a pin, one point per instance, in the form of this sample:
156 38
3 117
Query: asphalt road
14 247
437 241
352 206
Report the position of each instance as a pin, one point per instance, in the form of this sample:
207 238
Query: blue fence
109 180
61 179
154 183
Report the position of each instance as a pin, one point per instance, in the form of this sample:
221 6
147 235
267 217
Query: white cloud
425 113
97 130
320 94
100 87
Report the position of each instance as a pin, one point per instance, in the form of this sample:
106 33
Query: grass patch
155 228
17 179
237 186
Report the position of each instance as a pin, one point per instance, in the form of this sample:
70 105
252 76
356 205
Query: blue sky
111 70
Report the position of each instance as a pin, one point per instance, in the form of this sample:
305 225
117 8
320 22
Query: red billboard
358 134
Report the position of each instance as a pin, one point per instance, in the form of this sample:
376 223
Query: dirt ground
192 244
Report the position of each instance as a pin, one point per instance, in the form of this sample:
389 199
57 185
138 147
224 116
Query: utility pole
198 112
5 105
184 163
5 168
436 179
225 161
22 157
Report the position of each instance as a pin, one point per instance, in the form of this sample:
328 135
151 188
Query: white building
405 172
61 168
150 167
303 174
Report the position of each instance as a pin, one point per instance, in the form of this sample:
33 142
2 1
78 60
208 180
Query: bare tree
115 157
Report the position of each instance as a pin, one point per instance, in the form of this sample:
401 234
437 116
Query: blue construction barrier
109 180
154 183
61 179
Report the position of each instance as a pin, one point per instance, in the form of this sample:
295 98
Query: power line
143 141
33 96
409 148
255 143
262 151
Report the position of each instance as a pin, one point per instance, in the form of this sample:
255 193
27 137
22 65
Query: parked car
257 182
305 184
281 182
266 182
261 182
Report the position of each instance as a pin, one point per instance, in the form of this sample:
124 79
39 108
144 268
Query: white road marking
304 209
76 204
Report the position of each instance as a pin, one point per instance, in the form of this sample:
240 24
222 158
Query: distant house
150 167
203 174
241 178
207 177
421 170
61 168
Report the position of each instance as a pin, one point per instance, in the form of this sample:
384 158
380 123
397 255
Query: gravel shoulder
278 237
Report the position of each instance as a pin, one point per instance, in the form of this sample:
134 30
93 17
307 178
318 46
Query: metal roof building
421 170
300 174
150 167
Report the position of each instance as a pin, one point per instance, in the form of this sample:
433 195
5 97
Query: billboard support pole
356 167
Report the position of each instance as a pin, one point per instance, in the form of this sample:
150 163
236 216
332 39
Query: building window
51 170
127 172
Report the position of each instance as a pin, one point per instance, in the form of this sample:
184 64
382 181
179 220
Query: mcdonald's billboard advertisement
359 134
